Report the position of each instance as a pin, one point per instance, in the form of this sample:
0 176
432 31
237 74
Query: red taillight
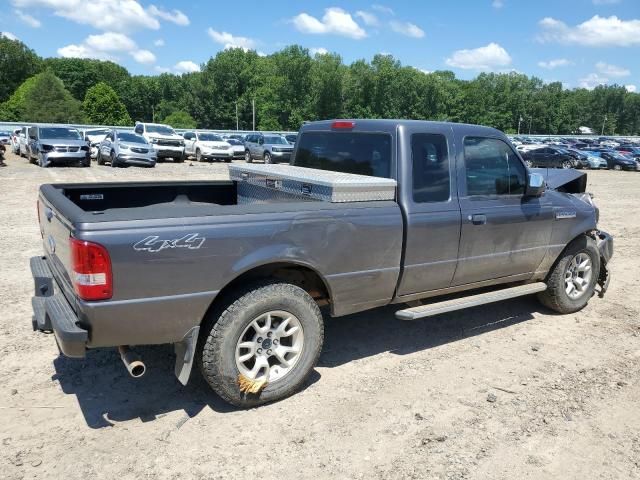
343 124
91 275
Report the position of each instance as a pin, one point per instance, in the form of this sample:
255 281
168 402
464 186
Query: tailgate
56 230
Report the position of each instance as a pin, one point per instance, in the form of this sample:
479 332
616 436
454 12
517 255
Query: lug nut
269 352
259 339
259 350
269 334
275 342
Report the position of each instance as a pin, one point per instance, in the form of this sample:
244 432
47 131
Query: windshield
361 153
233 141
131 137
60 133
209 137
161 129
275 140
5 133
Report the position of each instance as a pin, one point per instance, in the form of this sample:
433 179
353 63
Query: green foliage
17 63
102 106
80 74
13 109
180 119
291 86
47 101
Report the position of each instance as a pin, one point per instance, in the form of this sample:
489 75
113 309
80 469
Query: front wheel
267 158
263 345
567 164
112 159
572 281
247 156
617 167
198 155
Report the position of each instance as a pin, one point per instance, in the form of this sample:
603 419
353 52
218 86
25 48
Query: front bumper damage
604 242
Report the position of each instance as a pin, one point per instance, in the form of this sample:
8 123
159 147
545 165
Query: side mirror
535 185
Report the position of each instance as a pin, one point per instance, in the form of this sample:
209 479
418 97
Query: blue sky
578 42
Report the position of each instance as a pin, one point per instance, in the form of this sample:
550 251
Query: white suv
164 140
207 146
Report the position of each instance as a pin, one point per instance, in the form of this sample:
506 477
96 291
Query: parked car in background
15 141
595 161
631 151
94 137
269 147
164 140
125 148
58 146
291 138
615 160
207 146
23 141
548 157
237 147
5 137
3 149
579 157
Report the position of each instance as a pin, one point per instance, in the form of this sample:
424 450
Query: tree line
291 86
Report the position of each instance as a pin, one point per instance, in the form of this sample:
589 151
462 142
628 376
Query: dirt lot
503 391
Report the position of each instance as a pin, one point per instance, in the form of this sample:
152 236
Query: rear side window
492 168
349 152
430 168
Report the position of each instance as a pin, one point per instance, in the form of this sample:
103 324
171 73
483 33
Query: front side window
492 168
430 168
131 137
348 152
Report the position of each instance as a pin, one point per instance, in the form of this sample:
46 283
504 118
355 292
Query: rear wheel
617 167
573 279
263 345
567 164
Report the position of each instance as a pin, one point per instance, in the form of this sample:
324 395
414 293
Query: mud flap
185 354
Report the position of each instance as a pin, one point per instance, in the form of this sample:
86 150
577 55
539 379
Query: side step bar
470 301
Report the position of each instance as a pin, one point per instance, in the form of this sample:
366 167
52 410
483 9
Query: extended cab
234 273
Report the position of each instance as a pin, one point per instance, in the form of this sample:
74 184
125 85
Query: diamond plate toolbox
262 183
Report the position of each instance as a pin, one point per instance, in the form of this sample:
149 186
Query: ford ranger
369 213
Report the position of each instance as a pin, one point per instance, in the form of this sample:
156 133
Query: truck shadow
107 395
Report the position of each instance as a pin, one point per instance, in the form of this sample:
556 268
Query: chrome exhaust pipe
132 362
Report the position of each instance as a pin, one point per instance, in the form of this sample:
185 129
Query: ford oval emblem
52 244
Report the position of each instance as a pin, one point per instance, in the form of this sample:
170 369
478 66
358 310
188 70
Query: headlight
153 140
47 148
123 147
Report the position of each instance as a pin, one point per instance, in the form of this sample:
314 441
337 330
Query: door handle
478 219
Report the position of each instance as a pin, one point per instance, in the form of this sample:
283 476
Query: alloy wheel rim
577 276
270 346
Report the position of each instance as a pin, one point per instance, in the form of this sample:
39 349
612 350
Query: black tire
112 159
567 164
198 155
40 162
99 158
267 158
180 159
528 163
216 353
247 156
617 168
228 160
555 296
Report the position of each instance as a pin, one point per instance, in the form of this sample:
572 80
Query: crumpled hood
58 142
566 180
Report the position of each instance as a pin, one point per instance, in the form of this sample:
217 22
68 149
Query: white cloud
367 18
28 19
406 28
159 43
105 47
426 72
383 9
318 51
592 80
8 35
612 70
497 4
174 16
110 15
231 41
558 62
143 56
334 21
630 88
160 69
595 32
186 66
110 42
483 58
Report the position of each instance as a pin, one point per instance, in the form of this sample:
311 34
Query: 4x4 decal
154 243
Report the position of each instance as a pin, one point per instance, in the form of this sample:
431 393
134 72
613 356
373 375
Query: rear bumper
52 312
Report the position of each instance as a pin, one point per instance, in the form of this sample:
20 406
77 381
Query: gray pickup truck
236 281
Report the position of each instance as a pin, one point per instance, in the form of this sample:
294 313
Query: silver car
124 148
52 145
269 147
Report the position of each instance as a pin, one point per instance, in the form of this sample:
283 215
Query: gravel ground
503 391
